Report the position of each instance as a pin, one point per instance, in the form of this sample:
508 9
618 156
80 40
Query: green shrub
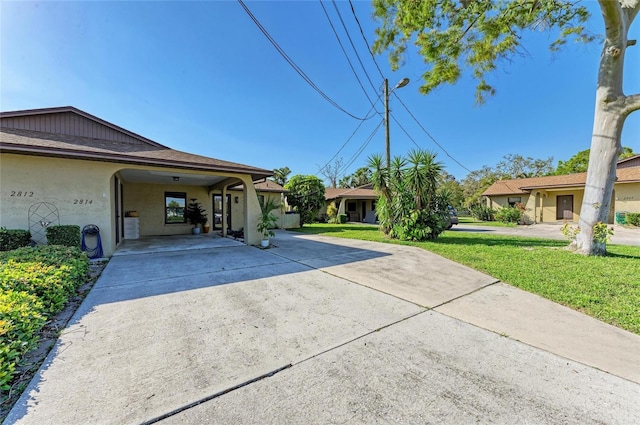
482 213
509 215
21 319
14 238
34 283
64 235
342 218
633 219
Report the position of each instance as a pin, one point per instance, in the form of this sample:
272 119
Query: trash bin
621 217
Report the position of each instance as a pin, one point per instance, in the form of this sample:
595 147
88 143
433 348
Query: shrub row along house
559 198
65 166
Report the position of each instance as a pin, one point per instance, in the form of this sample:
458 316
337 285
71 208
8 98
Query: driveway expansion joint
216 395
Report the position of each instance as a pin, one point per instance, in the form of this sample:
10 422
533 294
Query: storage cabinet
131 227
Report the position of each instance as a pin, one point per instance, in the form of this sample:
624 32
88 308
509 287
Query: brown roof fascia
256 173
77 111
631 158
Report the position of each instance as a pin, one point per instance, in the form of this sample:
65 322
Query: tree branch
631 9
612 14
631 104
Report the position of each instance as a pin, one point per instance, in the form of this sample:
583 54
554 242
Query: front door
564 207
217 212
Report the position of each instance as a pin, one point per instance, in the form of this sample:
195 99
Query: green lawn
607 288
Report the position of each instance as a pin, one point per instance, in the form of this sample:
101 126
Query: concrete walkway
325 330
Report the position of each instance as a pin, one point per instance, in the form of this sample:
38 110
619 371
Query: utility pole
402 83
386 124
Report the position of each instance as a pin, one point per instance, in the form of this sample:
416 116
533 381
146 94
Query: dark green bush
64 235
20 321
14 238
482 213
509 215
633 219
342 218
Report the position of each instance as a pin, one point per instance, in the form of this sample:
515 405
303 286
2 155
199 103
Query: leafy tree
453 34
514 166
453 188
477 182
410 206
280 175
306 196
361 177
332 172
578 163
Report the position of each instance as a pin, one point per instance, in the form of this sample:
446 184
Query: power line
353 45
353 11
426 132
345 53
361 149
348 139
294 65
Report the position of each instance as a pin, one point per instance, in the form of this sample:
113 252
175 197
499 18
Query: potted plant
196 215
267 221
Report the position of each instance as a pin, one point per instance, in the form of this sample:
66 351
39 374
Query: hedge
633 219
14 239
64 235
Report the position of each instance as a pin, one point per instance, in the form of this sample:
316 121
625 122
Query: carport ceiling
163 177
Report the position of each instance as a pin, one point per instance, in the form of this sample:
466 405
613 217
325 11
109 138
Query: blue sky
200 77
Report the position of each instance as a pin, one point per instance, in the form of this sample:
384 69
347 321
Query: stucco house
359 204
266 190
65 166
559 198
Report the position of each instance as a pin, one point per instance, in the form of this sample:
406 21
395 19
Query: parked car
453 217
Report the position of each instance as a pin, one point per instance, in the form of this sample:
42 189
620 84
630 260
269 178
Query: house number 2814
82 201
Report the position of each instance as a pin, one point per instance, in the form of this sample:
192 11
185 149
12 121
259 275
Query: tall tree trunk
611 110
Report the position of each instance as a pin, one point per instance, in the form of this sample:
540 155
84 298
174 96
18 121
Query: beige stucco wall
148 200
627 197
237 209
81 191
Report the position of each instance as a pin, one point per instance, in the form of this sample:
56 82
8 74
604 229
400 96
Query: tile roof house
559 198
65 166
359 204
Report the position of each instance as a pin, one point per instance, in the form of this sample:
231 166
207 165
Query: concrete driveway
324 330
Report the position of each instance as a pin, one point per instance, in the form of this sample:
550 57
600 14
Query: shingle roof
362 192
264 186
522 186
54 144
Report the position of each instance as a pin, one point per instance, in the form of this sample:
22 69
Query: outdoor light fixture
237 200
400 84
176 178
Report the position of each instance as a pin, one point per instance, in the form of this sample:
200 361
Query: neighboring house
266 190
559 198
65 166
359 204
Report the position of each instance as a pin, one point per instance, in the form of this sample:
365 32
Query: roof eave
255 173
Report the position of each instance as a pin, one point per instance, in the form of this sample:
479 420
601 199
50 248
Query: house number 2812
21 194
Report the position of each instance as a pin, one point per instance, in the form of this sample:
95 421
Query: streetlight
400 84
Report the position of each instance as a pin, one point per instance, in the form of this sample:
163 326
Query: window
515 200
261 200
351 206
174 207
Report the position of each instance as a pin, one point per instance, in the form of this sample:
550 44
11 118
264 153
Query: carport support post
341 207
251 212
224 212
